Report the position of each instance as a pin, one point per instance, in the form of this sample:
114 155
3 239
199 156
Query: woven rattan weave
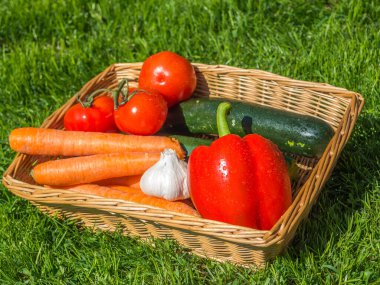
336 106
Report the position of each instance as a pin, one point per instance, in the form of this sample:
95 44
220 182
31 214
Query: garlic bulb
167 178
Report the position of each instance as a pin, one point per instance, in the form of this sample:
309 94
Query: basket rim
265 75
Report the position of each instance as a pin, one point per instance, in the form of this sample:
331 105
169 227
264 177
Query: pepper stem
221 118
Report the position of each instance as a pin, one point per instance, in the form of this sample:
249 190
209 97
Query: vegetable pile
140 145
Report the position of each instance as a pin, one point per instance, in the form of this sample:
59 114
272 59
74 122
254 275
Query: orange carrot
40 141
130 190
86 169
130 181
134 195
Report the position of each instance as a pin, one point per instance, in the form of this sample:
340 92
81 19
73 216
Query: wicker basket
336 106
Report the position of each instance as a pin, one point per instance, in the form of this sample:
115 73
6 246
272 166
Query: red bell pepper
241 181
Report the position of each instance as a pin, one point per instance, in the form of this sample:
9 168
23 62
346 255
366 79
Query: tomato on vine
91 115
170 74
140 112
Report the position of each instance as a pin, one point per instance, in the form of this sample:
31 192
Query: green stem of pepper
221 118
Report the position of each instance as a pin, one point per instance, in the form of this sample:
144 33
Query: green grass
49 49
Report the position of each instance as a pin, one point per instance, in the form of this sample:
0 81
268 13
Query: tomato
98 117
143 114
170 74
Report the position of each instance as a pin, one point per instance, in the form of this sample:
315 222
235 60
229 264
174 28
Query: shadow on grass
356 173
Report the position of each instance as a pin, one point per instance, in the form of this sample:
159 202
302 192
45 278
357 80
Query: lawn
49 49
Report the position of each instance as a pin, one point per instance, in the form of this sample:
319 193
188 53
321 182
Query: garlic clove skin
167 178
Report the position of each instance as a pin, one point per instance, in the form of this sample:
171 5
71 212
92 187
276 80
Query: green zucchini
294 133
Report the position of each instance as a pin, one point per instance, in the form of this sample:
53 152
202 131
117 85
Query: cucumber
294 133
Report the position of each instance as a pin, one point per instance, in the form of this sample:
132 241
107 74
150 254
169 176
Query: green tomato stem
115 94
87 102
